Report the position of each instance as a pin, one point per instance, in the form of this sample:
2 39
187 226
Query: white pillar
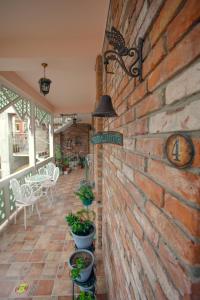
5 151
32 146
51 138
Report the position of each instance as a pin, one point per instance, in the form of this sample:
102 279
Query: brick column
98 125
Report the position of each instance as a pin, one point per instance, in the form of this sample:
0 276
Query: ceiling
66 34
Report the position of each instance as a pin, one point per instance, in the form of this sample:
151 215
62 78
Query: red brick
138 127
136 226
121 108
147 105
127 90
163 19
174 269
159 294
184 183
182 245
116 123
124 84
196 161
184 53
148 229
136 194
196 291
163 279
128 117
152 191
187 16
154 57
150 146
135 161
139 93
187 216
147 288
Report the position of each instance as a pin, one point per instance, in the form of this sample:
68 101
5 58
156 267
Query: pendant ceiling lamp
44 82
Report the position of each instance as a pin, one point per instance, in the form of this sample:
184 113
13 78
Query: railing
7 202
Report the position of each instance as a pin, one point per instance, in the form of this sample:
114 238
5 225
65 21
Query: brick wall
151 210
79 135
98 153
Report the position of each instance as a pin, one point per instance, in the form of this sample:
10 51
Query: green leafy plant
66 161
79 226
71 219
85 296
58 154
85 194
77 268
86 214
82 161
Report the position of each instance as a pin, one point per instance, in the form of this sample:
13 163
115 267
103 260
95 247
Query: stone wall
151 209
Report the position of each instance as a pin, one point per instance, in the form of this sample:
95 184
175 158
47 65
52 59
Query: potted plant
85 194
82 230
81 162
85 296
65 164
81 263
58 157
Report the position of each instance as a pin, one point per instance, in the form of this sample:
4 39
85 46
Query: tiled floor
38 256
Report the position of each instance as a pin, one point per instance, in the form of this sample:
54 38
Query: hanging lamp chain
44 66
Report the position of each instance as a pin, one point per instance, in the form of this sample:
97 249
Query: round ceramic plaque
179 150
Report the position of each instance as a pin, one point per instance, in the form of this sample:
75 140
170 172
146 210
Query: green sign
107 137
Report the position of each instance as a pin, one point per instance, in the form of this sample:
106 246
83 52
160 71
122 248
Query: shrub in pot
81 263
85 194
65 163
86 296
82 230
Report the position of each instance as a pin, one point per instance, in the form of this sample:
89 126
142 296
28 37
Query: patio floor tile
6 287
43 288
35 270
39 255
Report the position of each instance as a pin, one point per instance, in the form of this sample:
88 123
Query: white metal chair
50 185
42 171
25 196
50 169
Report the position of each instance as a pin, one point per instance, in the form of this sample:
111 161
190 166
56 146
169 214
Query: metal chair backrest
50 169
16 189
56 174
42 171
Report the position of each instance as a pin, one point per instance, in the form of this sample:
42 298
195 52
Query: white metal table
38 179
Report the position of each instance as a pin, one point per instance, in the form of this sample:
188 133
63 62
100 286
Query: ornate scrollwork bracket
116 39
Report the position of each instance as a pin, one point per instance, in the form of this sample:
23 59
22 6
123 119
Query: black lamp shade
44 85
105 108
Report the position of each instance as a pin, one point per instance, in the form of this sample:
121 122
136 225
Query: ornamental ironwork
116 40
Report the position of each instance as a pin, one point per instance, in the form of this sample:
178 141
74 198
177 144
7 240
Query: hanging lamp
44 82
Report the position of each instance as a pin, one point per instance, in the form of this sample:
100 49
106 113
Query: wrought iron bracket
116 39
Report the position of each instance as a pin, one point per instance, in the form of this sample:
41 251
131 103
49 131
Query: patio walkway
38 255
